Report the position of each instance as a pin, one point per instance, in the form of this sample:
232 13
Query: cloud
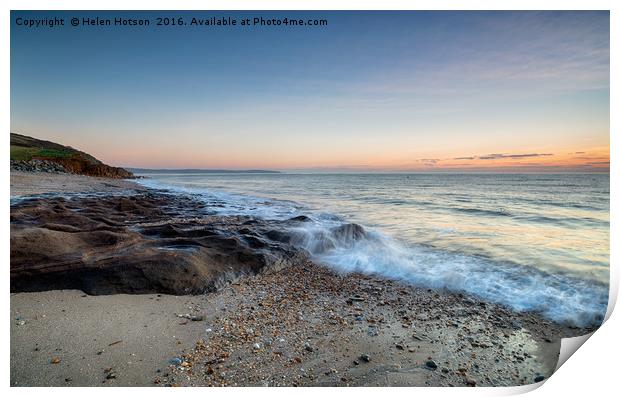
496 156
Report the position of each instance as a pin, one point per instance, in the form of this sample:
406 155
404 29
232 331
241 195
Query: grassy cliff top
27 148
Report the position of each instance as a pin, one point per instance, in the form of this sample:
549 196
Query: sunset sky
372 91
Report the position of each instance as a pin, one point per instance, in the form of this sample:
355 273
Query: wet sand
30 183
134 335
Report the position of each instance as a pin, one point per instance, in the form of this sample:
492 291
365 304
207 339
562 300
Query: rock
539 378
256 346
121 254
300 218
36 165
470 382
431 364
308 347
55 360
196 318
400 347
175 361
349 233
110 374
365 358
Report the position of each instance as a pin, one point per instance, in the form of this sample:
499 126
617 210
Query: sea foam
346 247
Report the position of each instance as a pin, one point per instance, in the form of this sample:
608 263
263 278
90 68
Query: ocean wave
565 221
348 247
352 248
482 211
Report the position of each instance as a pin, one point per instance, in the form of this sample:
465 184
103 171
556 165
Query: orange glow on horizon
594 159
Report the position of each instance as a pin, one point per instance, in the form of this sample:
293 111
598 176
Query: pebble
365 358
110 374
539 378
431 364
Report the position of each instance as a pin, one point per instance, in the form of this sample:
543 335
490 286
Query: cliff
35 155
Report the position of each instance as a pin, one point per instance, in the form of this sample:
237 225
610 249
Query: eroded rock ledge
144 243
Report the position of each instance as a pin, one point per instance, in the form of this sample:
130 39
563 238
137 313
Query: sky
371 91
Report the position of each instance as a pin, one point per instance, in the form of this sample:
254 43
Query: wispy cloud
496 156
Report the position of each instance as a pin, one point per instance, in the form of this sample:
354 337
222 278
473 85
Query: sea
532 242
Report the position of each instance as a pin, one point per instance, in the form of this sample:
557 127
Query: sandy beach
29 183
270 317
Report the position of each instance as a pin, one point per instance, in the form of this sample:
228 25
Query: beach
125 285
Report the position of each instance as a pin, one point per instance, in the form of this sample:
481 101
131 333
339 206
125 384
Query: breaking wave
349 247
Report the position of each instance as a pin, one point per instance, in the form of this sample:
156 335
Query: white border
593 369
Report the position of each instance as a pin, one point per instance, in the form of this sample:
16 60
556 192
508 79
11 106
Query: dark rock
300 218
119 254
431 364
539 378
36 165
349 233
365 358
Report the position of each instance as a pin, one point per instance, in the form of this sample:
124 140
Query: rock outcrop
38 166
142 243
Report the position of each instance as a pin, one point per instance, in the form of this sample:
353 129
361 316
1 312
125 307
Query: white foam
561 298
523 288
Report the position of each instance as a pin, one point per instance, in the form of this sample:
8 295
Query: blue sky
372 90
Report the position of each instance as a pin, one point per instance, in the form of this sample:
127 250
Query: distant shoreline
346 172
